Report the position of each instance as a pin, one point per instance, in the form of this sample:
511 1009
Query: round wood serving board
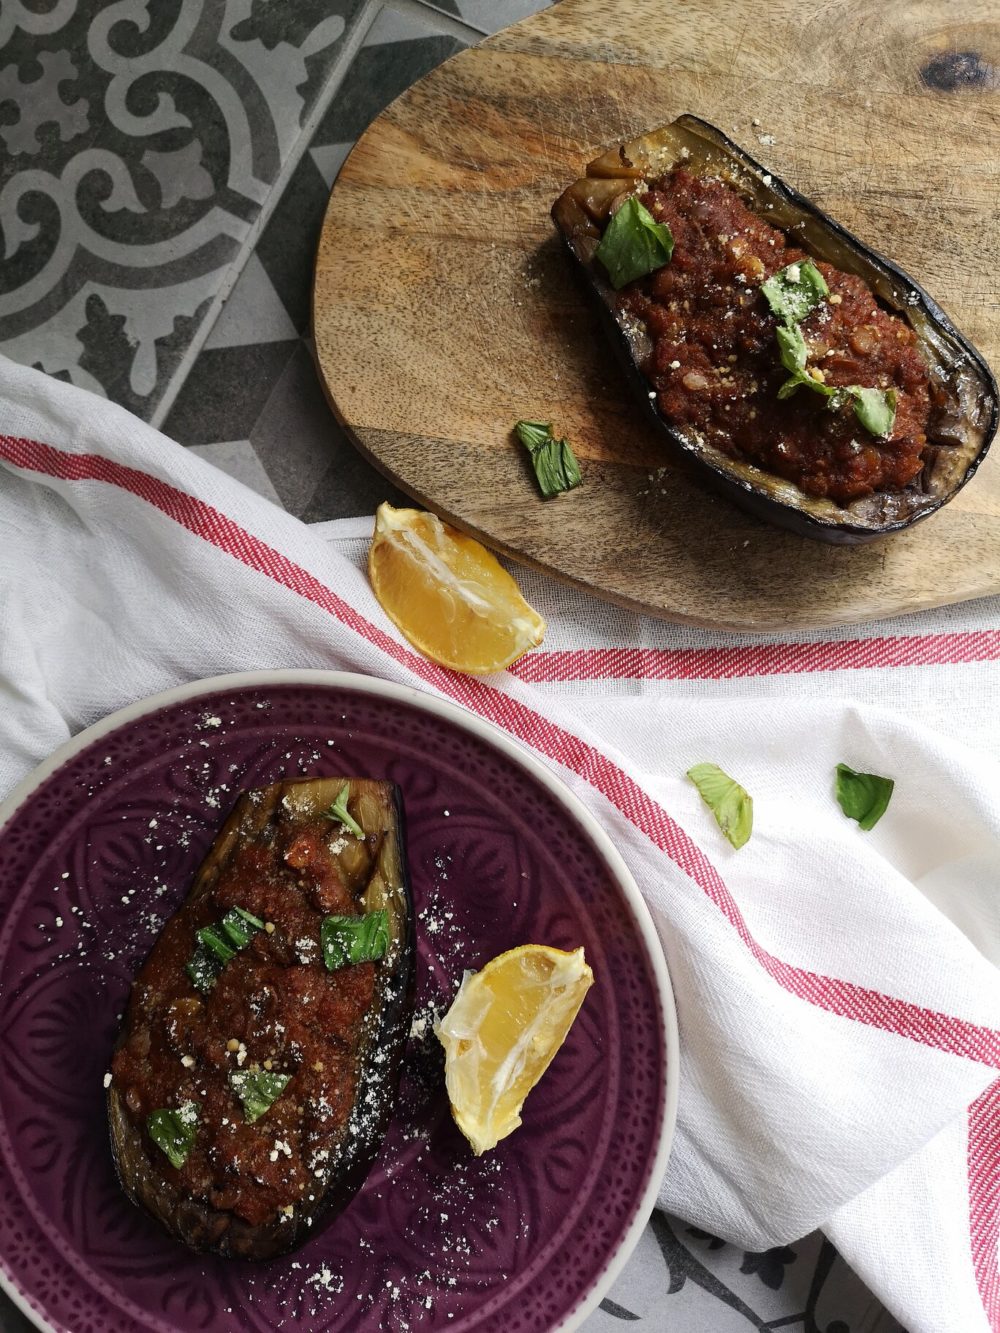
445 307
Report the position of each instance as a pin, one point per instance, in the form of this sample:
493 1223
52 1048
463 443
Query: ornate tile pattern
141 143
163 174
260 340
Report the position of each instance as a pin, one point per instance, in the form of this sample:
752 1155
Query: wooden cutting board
446 308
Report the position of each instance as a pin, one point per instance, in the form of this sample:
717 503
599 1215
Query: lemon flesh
449 596
502 1031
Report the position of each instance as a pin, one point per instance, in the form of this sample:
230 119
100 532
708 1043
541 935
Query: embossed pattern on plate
103 850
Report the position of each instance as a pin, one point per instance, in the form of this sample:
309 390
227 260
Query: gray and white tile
312 466
141 142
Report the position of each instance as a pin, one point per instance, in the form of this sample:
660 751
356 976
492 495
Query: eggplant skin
144 1171
966 398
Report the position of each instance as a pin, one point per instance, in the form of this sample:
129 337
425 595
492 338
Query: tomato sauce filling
715 363
274 1006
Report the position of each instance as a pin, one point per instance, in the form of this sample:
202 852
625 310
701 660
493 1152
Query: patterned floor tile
253 313
312 466
328 159
226 391
397 50
350 486
401 46
489 15
139 143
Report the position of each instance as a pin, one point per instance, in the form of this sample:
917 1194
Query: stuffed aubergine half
795 369
259 1059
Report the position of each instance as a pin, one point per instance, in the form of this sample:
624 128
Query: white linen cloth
837 991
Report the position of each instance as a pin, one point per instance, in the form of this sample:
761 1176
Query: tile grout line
353 43
449 24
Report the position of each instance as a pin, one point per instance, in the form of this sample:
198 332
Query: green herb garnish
354 939
874 408
218 944
241 926
634 244
556 468
203 968
863 796
214 943
533 434
798 379
793 350
339 812
174 1131
795 290
792 293
792 347
258 1090
727 800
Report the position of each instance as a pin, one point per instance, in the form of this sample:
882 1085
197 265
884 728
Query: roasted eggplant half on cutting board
803 374
259 1059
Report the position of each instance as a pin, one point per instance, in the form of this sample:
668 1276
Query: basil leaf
790 385
800 379
793 348
727 800
203 968
340 813
791 293
258 1090
213 941
556 468
863 796
218 944
795 290
354 939
794 353
174 1131
634 244
875 409
533 434
238 930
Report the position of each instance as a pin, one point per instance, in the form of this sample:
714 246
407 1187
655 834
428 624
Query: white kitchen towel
837 991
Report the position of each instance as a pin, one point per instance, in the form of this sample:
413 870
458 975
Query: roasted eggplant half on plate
802 373
259 1058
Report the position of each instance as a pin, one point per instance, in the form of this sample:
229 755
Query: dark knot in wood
951 71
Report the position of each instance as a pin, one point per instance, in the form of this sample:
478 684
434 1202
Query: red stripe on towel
873 1008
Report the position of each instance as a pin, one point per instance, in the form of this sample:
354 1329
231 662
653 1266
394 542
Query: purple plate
99 846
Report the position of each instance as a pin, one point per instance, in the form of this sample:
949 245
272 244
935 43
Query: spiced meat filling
715 366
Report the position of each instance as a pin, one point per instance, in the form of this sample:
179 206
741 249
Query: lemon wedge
503 1028
447 594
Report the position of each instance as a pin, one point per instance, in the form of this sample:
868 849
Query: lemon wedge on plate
503 1028
447 594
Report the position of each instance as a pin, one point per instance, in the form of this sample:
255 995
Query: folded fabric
837 990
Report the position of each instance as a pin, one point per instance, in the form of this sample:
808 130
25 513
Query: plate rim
493 735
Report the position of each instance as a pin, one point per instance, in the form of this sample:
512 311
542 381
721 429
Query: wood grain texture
445 308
